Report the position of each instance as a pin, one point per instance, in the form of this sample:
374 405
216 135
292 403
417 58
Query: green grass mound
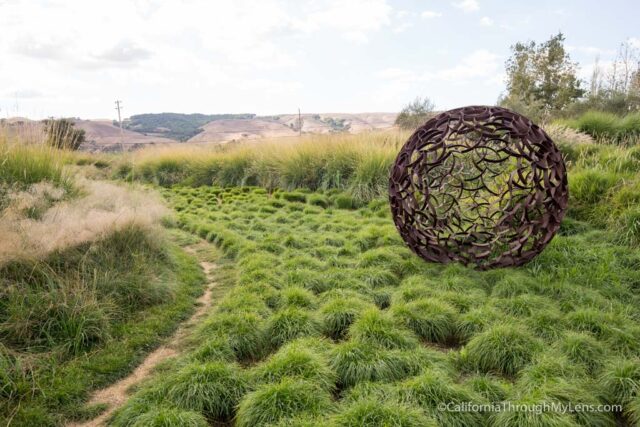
290 323
433 389
355 362
214 349
213 389
502 349
327 305
297 297
272 403
430 319
375 328
298 359
526 418
243 331
338 313
489 387
620 381
583 348
371 412
170 417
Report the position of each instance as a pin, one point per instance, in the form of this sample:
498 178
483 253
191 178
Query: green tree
415 114
541 78
61 133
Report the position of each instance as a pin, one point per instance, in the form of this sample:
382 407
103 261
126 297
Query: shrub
62 134
503 349
415 114
430 319
272 403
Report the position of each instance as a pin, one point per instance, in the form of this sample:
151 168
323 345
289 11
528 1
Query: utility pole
119 107
299 123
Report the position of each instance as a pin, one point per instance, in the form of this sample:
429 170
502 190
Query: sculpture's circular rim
555 198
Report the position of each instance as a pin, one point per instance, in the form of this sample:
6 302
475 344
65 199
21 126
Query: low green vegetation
88 286
621 129
331 320
83 317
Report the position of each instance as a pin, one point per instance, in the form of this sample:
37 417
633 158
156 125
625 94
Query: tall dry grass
359 163
38 221
45 207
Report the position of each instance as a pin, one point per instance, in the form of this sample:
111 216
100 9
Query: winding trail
116 394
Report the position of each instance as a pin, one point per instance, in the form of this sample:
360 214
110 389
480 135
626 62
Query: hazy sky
75 58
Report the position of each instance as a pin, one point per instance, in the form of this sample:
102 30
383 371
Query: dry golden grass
102 208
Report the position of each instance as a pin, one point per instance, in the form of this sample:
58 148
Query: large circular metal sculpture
479 185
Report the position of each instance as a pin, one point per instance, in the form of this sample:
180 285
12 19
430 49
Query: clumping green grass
334 322
608 126
272 403
171 417
22 165
298 359
502 349
84 317
213 388
371 412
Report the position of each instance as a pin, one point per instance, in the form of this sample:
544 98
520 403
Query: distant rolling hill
175 126
102 135
171 128
286 125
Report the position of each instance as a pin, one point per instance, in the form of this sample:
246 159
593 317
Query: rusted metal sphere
480 185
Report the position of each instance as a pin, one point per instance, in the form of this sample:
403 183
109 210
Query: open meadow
320 315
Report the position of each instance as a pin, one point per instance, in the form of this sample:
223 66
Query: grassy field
326 318
332 321
89 283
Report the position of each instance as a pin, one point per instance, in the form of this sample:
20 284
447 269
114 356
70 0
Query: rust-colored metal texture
480 185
